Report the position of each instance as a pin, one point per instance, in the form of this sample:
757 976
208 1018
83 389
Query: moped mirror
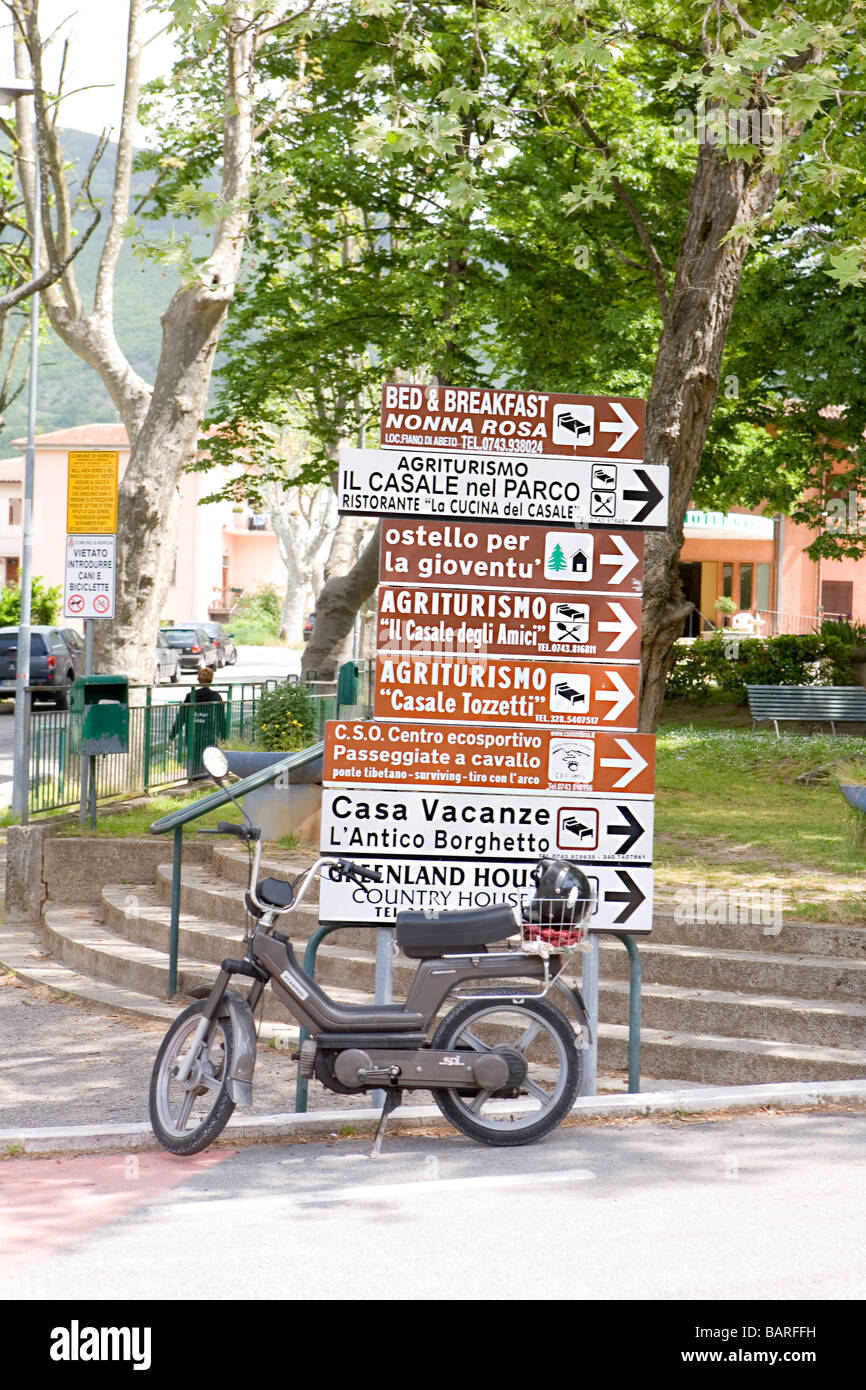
215 761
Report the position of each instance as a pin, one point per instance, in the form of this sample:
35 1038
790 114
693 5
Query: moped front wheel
188 1115
545 1064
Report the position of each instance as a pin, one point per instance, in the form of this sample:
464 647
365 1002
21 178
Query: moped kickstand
392 1100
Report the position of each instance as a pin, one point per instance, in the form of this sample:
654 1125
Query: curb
788 1095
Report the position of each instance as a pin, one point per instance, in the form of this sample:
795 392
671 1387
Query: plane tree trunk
696 319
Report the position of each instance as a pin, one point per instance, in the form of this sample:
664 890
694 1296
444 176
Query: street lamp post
11 91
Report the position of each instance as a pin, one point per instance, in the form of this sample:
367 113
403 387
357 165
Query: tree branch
655 264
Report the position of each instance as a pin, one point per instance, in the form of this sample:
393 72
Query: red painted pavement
46 1203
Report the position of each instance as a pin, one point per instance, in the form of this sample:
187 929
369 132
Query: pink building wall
213 540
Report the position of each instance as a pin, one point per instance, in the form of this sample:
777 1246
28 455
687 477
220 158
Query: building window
14 511
762 588
746 572
12 570
727 581
837 597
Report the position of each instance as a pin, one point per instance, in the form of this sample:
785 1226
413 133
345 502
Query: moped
504 1064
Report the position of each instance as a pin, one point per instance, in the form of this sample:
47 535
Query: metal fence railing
157 756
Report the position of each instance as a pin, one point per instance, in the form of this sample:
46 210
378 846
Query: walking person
203 718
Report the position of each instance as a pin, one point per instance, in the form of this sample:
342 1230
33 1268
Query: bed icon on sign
569 622
574 424
577 828
569 694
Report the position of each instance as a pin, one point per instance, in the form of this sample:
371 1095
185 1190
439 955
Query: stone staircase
721 1004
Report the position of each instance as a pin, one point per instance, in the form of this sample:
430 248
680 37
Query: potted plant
726 607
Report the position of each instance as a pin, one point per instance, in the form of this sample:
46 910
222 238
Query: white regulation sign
453 824
623 894
90 576
493 487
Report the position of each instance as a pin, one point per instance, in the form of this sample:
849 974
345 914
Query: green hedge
727 663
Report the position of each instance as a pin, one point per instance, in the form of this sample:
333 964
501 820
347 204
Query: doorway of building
690 578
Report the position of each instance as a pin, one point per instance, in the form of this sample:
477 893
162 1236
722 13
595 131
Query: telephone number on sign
448 441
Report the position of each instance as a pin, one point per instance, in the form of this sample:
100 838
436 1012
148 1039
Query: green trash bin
102 706
347 684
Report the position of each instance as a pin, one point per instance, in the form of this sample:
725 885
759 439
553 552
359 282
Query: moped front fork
222 1002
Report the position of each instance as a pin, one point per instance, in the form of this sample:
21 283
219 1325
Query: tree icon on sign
557 560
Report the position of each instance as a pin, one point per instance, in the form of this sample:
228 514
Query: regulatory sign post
508 650
91 563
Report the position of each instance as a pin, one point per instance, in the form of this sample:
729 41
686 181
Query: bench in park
824 704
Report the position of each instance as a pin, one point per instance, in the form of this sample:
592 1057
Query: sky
96 30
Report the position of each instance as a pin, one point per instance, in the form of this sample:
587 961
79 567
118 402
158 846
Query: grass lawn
731 813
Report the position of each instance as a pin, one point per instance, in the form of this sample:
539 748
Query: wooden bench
824 704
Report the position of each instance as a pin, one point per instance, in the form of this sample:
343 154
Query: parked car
227 652
167 667
195 648
56 658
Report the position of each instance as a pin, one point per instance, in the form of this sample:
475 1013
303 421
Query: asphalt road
766 1206
253 664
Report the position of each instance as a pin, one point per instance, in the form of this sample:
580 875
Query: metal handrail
178 819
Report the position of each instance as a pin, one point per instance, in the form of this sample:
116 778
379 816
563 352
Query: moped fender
575 999
233 1005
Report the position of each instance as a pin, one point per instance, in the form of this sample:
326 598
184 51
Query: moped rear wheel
546 1065
188 1115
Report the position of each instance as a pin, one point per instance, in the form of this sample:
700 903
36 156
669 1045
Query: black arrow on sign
632 898
651 495
632 830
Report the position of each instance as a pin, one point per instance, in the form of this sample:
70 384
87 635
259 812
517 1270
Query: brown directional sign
512 422
508 557
565 625
394 753
500 689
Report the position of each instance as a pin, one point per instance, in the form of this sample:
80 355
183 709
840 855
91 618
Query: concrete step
24 955
232 864
794 938
816 1022
206 894
748 972
713 1060
137 913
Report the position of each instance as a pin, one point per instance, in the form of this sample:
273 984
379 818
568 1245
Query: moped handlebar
241 832
347 868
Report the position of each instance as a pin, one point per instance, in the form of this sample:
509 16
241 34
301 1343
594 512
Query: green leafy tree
45 604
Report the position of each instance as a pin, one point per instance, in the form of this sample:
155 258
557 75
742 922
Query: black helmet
563 895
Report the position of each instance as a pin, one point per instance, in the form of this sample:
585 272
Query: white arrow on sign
633 763
626 559
620 698
623 625
624 427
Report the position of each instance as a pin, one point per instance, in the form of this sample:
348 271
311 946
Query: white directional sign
90 576
370 820
623 893
537 489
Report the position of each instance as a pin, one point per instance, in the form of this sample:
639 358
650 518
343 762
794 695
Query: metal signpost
508 637
91 563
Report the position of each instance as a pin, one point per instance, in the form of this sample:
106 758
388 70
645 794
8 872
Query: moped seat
423 936
276 892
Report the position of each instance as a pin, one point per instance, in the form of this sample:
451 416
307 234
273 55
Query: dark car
227 652
195 648
167 664
56 658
